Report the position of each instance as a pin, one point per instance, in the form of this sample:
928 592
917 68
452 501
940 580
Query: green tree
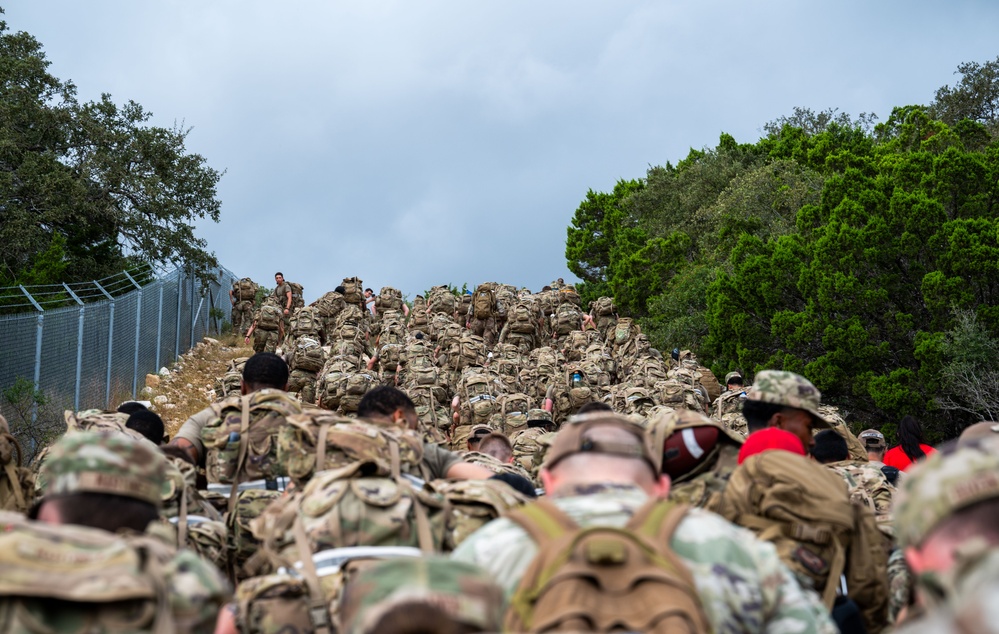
93 180
975 97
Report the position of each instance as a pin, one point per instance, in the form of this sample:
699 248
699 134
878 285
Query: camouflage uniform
741 582
465 593
870 487
727 410
90 462
945 483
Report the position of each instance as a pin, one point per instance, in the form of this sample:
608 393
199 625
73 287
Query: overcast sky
418 142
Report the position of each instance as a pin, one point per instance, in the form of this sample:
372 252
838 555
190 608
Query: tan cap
572 438
790 390
983 429
872 439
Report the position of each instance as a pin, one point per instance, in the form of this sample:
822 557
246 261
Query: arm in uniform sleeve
188 437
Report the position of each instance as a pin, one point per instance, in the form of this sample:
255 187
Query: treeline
864 256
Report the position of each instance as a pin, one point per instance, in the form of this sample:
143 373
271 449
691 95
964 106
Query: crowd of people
498 460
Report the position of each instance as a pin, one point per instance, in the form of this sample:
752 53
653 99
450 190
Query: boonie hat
790 390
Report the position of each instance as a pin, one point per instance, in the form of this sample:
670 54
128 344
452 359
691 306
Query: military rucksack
332 383
603 307
529 448
306 321
471 350
74 578
440 299
353 290
357 385
521 319
568 585
297 300
513 409
624 329
307 355
230 382
474 503
244 289
484 301
17 483
805 510
330 305
567 318
478 391
269 317
679 395
388 299
318 440
241 442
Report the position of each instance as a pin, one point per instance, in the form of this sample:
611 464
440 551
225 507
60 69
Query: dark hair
106 511
735 380
594 406
368 290
383 400
265 369
340 289
416 617
501 446
759 413
131 407
830 447
279 273
910 436
147 423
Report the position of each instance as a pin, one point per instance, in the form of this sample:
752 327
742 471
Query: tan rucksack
567 318
605 578
388 299
353 290
244 289
484 301
474 503
307 355
805 510
269 317
297 300
306 321
17 483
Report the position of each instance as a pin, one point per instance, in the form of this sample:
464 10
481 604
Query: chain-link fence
90 345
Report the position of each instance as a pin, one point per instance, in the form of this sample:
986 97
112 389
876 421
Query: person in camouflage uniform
603 472
866 483
529 445
947 524
787 401
125 479
440 594
700 481
727 409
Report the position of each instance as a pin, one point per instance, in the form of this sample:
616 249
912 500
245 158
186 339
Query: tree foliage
850 252
88 189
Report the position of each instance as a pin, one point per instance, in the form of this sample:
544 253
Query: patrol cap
948 480
539 417
873 439
733 375
983 429
572 438
462 591
788 389
92 462
478 432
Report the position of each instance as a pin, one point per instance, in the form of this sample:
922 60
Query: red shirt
897 458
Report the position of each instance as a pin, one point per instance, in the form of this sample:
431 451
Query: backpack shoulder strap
543 521
244 446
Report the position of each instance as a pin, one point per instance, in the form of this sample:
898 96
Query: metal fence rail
90 345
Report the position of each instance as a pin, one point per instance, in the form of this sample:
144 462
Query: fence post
194 315
79 347
138 324
180 289
107 379
159 327
38 351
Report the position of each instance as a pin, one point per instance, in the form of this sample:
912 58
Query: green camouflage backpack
69 578
241 442
391 356
547 360
474 503
624 330
297 301
307 355
440 299
576 569
357 385
353 290
306 321
479 389
567 318
471 351
230 382
529 448
269 317
330 305
332 383
317 440
388 299
513 408
484 301
603 307
198 525
521 319
244 289
355 505
677 395
243 544
17 483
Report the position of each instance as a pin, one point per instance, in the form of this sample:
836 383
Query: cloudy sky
417 142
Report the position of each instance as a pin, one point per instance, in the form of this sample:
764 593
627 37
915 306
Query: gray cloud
416 143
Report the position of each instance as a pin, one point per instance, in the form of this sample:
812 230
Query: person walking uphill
601 471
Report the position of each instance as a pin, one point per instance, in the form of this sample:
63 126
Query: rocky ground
189 385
